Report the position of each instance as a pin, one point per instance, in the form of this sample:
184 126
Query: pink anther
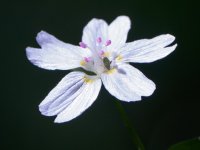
83 45
87 59
101 53
99 40
108 42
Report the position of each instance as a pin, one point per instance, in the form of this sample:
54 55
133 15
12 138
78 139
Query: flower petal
118 31
62 95
148 50
73 94
84 100
95 29
55 54
127 83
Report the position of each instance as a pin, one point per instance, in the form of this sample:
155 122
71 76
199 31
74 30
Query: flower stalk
134 136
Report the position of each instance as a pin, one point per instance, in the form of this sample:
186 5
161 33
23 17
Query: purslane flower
103 51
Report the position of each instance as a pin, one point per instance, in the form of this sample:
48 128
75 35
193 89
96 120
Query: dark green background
170 115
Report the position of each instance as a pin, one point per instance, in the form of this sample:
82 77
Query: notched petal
71 97
148 50
128 83
55 54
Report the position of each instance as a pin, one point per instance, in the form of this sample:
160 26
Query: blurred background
169 116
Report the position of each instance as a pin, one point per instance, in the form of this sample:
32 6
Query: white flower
104 52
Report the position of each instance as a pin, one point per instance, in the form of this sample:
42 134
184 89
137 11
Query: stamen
87 79
99 40
82 63
119 58
87 59
83 45
108 42
111 71
102 53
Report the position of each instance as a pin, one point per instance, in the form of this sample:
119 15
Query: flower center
99 61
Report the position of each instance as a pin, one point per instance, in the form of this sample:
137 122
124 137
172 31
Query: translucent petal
55 54
73 94
118 31
127 83
148 50
89 93
94 30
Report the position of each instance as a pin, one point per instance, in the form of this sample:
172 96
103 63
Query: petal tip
27 50
29 53
43 37
59 120
41 32
153 88
124 16
125 19
171 48
171 37
139 98
175 45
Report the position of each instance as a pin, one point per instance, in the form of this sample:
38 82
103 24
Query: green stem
135 138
